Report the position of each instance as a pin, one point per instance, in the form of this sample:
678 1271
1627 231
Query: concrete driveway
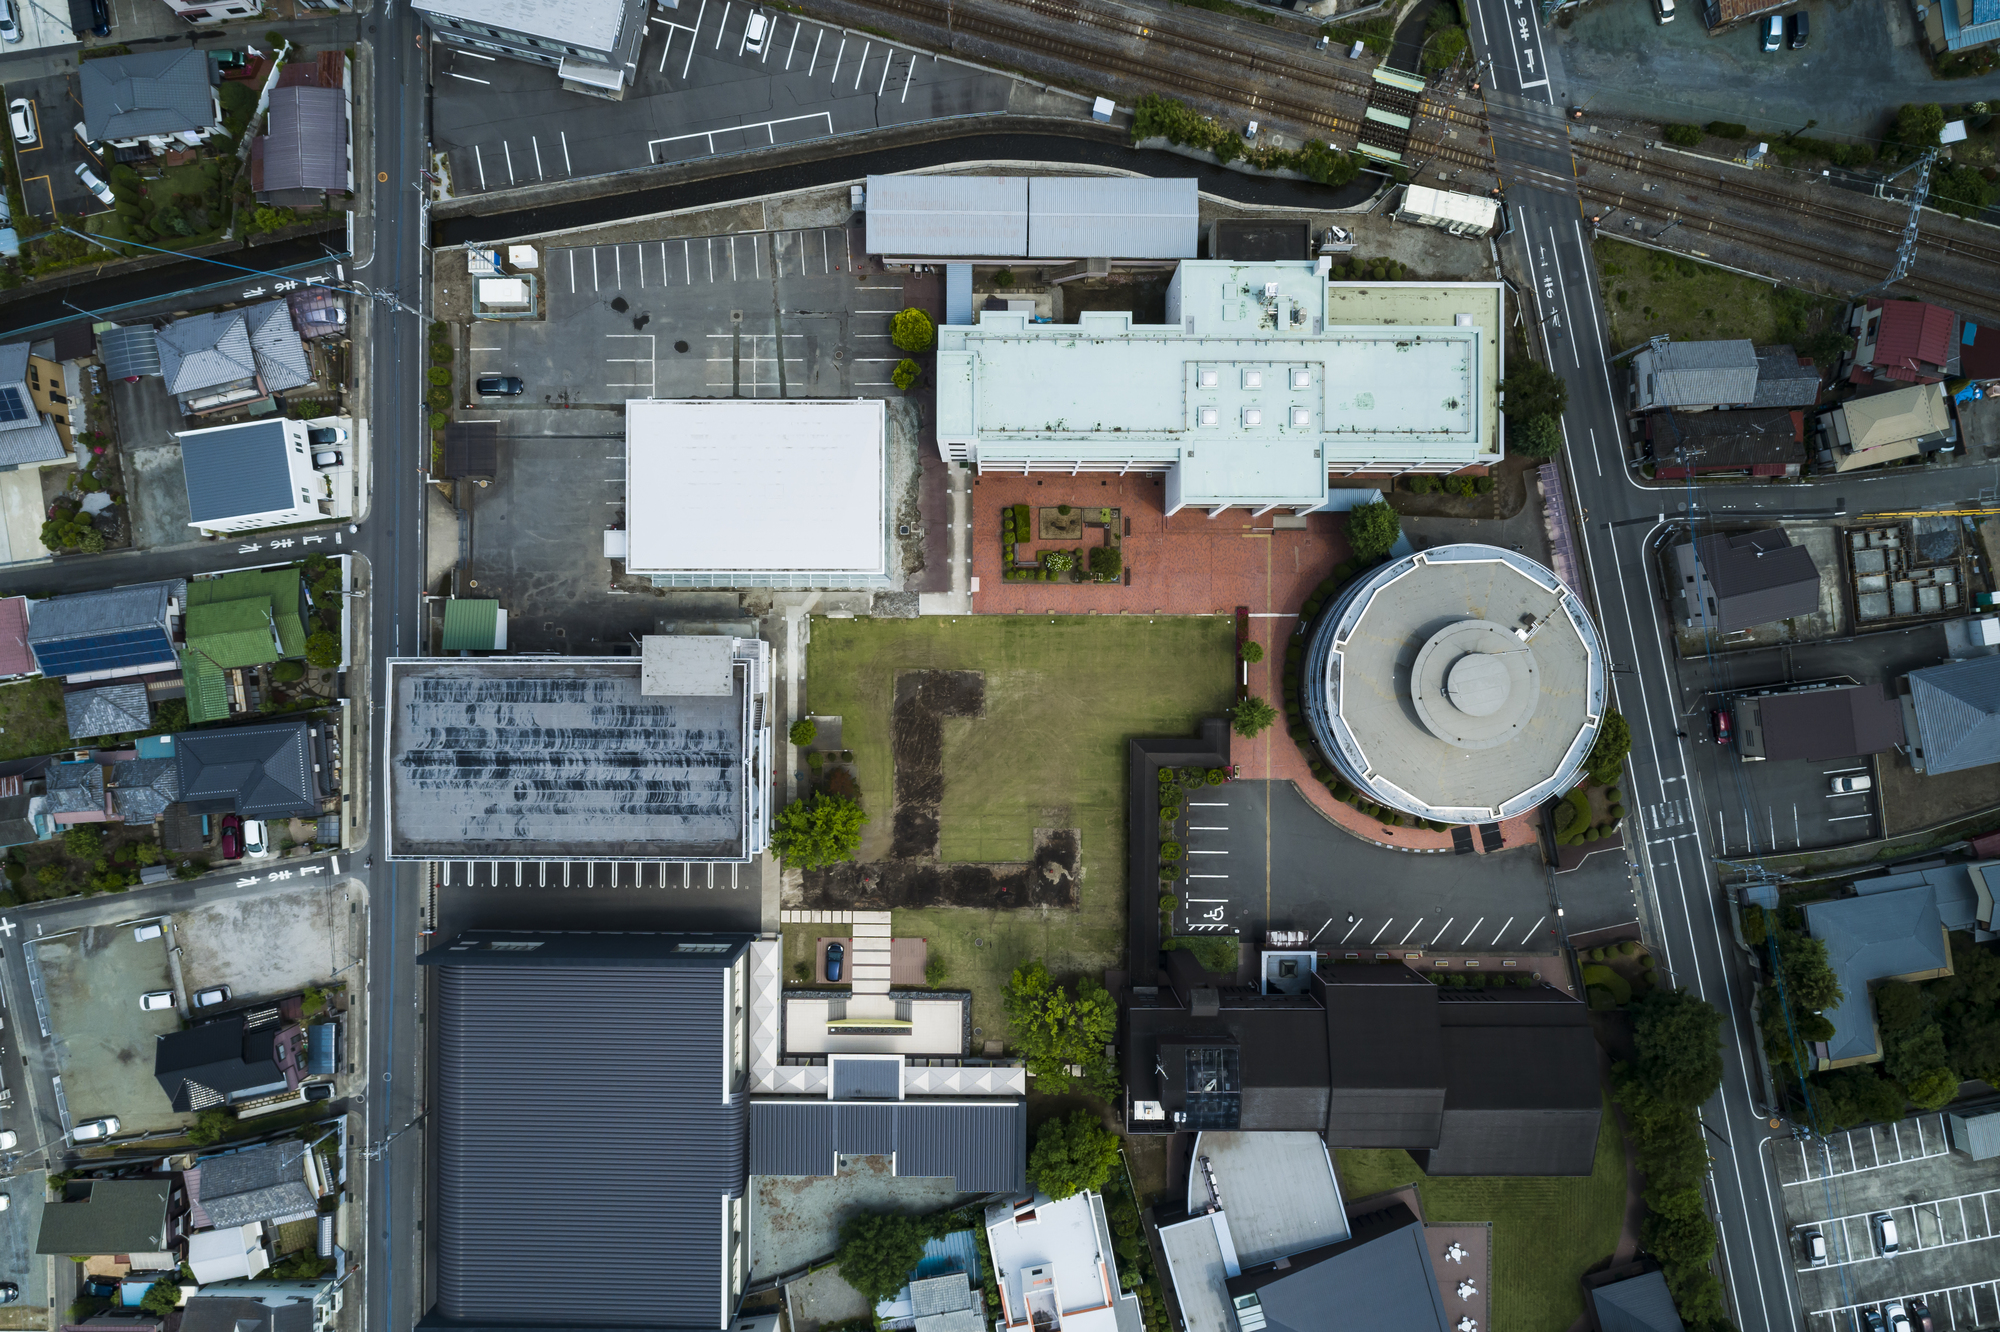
21 517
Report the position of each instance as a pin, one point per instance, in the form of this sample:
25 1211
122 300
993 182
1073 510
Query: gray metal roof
1382 1277
1958 713
1976 1132
219 1313
1696 374
159 92
29 436
1951 885
571 1056
256 771
129 352
602 26
942 1294
259 1184
306 145
1756 578
1127 217
1640 1304
114 626
983 216
1873 938
855 1079
236 471
114 1216
110 709
1782 381
204 351
280 353
980 1144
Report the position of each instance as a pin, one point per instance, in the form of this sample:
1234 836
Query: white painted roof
756 486
1423 201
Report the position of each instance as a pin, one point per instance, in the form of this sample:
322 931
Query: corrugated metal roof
1977 1133
983 1145
159 92
306 146
864 1130
945 215
791 1138
1958 714
129 352
569 1058
1696 374
116 626
207 691
235 471
469 624
1641 1304
867 1078
205 351
1121 217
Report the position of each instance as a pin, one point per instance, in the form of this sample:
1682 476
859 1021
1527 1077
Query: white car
755 31
1884 1227
256 839
1852 785
94 1130
1663 10
21 119
141 933
1896 1316
8 1140
90 182
210 998
157 1001
10 24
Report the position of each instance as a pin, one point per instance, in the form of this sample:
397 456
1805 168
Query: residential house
256 474
1379 1276
140 1218
1054 1266
1951 715
1896 934
201 13
1961 25
231 1059
1754 443
260 1304
108 709
269 771
159 98
1731 581
273 1182
114 634
143 788
24 816
593 45
1888 427
231 357
15 658
234 623
1700 376
29 436
1817 723
77 792
303 155
1901 342
1964 891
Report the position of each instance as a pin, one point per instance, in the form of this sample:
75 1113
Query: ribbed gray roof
1642 1304
867 1078
1696 374
236 471
101 630
1782 381
107 710
1130 217
141 789
1958 714
231 1313
1757 577
1977 1132
160 92
980 1144
1872 938
260 1184
129 352
540 1071
306 146
204 351
280 353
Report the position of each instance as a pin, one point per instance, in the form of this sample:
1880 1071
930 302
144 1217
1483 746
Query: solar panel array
12 408
103 652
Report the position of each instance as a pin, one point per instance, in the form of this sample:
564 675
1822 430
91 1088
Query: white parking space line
1469 933
504 147
834 77
467 77
1531 933
815 60
907 75
539 173
1441 929
480 159
565 143
1350 930
720 26
1502 930
861 68
888 61
1385 928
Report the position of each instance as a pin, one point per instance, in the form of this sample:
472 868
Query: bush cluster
1157 117
1464 486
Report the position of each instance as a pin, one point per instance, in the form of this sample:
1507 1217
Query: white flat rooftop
757 486
1278 1190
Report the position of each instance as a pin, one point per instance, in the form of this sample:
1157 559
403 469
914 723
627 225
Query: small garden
77 523
1616 974
1022 527
1157 117
87 858
1595 809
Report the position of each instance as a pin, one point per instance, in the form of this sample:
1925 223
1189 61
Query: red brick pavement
1191 564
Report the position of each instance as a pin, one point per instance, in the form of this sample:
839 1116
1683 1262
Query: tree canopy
1679 1047
1537 437
1534 390
162 1297
1919 124
1251 715
878 1251
912 331
1371 530
819 830
1053 1030
1810 984
1072 1155
1608 751
804 731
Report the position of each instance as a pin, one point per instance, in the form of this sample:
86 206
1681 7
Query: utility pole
1906 250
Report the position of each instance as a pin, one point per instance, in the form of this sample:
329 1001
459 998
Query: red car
232 837
1721 719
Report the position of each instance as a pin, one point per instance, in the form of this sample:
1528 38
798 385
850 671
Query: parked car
327 458
323 437
755 31
1798 28
21 118
319 1091
1774 33
256 839
210 998
232 836
1898 1317
1663 10
141 933
1884 1227
1720 720
501 386
1852 785
156 1001
327 316
100 1288
94 1130
1871 1321
834 954
8 1139
100 18
10 23
9 1292
1920 1314
5 1202
90 182
1814 1245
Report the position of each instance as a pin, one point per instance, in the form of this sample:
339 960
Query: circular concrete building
1463 684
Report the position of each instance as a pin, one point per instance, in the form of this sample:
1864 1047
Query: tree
323 649
1933 1089
1919 124
1251 715
1899 1007
1253 652
906 374
84 841
1679 1047
162 1297
288 672
1106 563
804 731
1810 984
877 1254
209 1127
1371 529
912 330
1538 436
1534 390
1072 1155
1608 751
820 830
1680 1232
1054 1030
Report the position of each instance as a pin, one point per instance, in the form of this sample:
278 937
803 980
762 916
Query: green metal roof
283 589
234 633
207 692
470 625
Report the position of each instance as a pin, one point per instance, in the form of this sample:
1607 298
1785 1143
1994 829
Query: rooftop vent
1253 379
1253 416
1208 416
1302 416
1208 378
1302 378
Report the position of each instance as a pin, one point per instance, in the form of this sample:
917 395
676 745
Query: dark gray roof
1782 381
859 1079
203 1066
1639 1304
257 771
983 1145
259 1184
16 827
306 147
1958 713
1951 886
1696 374
1385 1059
1381 1276
129 352
1821 724
1976 1131
111 709
1756 577
75 788
231 1313
114 1216
552 1047
204 351
132 96
141 789
237 470
117 626
1872 938
275 343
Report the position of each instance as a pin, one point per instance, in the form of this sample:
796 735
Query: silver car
91 182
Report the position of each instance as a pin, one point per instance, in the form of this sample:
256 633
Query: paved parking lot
93 978
700 92
48 166
1783 806
1947 1213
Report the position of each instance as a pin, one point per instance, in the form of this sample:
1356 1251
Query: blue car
834 955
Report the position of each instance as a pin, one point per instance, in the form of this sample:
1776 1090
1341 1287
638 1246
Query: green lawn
31 719
1062 698
1546 1232
1648 293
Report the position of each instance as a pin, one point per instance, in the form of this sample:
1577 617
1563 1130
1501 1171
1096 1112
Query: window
34 376
1249 1312
702 947
513 945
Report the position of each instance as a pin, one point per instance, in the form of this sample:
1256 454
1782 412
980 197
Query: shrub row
1450 485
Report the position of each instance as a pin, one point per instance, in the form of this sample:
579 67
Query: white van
756 31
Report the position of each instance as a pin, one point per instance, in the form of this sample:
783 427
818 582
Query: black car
500 386
1797 29
92 16
834 954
